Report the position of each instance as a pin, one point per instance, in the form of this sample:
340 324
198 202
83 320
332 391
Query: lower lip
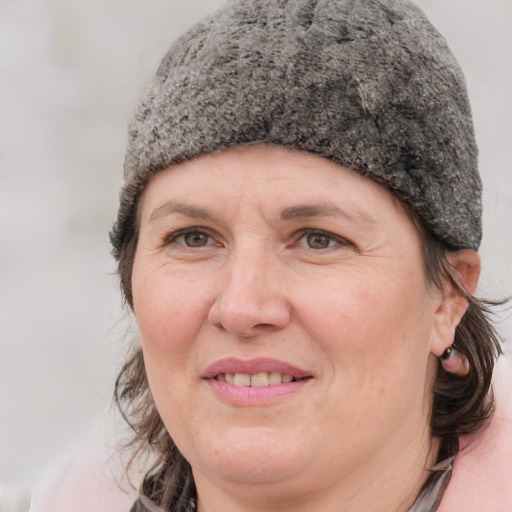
249 395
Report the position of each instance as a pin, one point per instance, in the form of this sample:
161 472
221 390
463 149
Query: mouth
261 372
256 380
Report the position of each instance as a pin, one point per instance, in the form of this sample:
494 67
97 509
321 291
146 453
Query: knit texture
368 84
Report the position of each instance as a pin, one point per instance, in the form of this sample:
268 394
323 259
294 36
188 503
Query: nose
250 301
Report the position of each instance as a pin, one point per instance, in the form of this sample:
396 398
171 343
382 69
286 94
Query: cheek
169 313
374 333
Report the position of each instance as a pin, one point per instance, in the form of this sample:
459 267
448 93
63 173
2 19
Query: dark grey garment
144 504
432 493
428 500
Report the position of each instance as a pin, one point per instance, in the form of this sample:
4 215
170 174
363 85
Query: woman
297 239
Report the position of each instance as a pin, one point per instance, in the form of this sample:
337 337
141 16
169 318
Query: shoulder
482 474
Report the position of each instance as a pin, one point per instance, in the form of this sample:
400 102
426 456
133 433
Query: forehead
269 175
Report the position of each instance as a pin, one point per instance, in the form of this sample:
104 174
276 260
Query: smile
256 380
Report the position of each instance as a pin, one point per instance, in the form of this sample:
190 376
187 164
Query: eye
314 239
191 238
195 239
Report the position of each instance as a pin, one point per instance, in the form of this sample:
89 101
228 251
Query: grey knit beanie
368 84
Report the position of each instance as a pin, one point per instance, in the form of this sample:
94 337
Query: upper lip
253 366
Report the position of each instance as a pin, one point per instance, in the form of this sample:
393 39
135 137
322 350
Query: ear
452 304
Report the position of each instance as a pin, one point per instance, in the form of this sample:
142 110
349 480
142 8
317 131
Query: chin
256 456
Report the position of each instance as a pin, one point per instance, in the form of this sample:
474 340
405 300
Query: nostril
248 322
265 327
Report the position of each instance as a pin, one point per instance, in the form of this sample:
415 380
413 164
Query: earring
454 362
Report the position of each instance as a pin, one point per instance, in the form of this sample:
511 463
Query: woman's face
286 323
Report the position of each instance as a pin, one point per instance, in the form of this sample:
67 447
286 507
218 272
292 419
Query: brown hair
461 405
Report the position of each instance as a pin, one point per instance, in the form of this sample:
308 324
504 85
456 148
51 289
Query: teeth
257 380
242 379
275 378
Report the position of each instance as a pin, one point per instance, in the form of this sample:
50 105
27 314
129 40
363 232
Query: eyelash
173 237
303 234
338 241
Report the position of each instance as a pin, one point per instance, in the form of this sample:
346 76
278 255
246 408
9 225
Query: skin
348 303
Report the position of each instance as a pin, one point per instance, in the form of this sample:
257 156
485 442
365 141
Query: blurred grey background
70 74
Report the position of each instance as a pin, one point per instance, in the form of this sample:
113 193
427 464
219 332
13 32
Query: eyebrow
327 209
298 212
176 207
